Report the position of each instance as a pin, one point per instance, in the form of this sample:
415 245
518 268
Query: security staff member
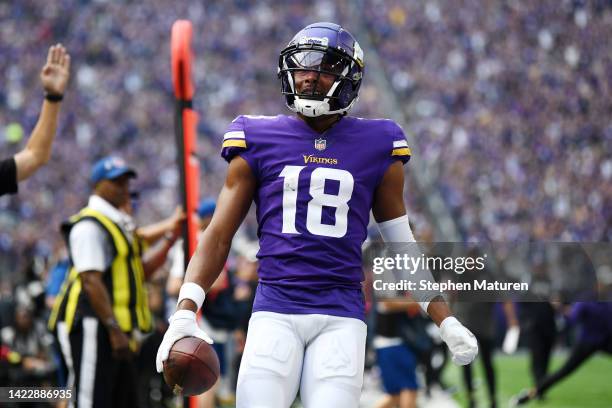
54 77
102 307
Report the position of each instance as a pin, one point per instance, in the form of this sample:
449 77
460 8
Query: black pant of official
485 352
538 326
580 353
96 378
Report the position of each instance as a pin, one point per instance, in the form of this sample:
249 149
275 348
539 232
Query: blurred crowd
510 105
509 102
121 99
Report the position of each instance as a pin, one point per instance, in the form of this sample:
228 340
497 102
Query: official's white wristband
193 292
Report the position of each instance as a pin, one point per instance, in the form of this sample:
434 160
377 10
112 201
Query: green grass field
588 387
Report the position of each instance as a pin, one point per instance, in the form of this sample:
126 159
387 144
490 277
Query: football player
314 177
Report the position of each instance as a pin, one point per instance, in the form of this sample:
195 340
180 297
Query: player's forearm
438 310
206 264
38 150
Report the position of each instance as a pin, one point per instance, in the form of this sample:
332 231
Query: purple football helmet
323 48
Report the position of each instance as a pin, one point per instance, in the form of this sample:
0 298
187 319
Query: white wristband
193 292
396 230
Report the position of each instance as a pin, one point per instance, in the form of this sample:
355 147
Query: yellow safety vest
124 280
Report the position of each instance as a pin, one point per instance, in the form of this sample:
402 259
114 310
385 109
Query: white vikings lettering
319 160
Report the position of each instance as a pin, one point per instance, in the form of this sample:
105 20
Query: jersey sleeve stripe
400 143
235 143
404 151
236 134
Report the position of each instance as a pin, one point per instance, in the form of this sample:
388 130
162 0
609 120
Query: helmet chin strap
310 107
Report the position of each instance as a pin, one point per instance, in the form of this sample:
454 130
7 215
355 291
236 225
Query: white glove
460 341
511 340
182 324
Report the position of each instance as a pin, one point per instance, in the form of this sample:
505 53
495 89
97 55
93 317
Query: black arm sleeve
8 176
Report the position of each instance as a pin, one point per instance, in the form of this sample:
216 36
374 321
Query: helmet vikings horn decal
323 48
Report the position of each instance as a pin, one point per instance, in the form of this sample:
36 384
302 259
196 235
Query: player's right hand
182 324
54 75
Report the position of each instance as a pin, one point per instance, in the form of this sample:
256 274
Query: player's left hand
54 75
460 341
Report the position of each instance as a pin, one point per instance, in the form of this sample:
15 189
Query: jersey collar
117 216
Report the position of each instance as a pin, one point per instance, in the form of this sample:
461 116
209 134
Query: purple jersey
594 321
314 195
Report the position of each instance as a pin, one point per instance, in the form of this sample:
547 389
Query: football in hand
192 367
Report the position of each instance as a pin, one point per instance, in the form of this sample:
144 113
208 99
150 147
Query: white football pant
321 355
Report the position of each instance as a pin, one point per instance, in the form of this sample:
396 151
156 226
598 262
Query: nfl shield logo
320 144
